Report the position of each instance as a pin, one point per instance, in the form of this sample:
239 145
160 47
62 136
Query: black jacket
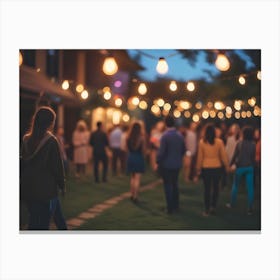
41 171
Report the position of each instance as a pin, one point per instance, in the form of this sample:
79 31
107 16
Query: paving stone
76 222
87 215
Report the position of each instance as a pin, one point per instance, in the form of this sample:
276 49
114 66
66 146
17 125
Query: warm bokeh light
220 115
259 75
195 118
160 102
237 115
118 102
243 114
222 62
257 111
125 118
185 105
117 83
198 105
84 94
107 95
110 66
210 104
249 114
177 113
228 116
116 118
162 66
173 86
212 114
135 101
65 85
143 105
190 86
142 89
187 114
237 105
166 106
155 109
241 80
205 114
20 59
219 105
252 101
79 88
228 110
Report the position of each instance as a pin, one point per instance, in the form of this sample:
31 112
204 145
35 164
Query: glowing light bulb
125 118
205 114
198 105
160 102
155 109
220 115
110 67
259 75
177 113
228 110
195 118
173 86
166 106
185 105
84 94
79 88
237 115
237 105
190 86
107 95
65 85
241 80
212 114
142 89
218 105
135 100
143 105
222 62
118 102
252 101
162 66
20 59
187 114
249 114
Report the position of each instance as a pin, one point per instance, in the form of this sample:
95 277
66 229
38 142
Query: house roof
38 82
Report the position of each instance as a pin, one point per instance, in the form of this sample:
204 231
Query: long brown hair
135 136
42 121
209 134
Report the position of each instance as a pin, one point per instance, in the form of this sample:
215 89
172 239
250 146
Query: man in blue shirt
169 159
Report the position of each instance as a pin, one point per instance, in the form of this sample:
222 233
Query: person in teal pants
244 160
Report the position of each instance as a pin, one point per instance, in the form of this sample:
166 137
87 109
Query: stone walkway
97 209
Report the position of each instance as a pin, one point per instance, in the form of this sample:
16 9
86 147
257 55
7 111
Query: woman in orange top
210 160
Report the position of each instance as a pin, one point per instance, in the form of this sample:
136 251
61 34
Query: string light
249 114
237 115
155 109
228 110
20 59
242 80
110 66
222 62
84 94
166 106
162 66
219 105
125 118
160 102
205 114
173 86
187 114
107 94
118 102
220 115
190 86
198 105
143 105
252 101
177 113
210 104
65 85
79 88
259 75
195 118
142 89
212 114
237 105
135 101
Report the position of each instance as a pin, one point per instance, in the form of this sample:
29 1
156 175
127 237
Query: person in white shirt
115 146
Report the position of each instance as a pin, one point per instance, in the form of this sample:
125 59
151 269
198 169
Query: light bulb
222 62
143 105
107 95
135 100
190 86
20 59
173 86
259 75
125 118
142 89
205 114
242 80
162 66
177 113
218 105
166 106
65 85
84 94
160 102
195 118
118 102
110 66
79 88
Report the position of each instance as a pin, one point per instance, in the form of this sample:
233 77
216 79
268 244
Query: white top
115 138
191 142
230 146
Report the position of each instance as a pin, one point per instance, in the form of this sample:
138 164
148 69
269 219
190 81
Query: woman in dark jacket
42 172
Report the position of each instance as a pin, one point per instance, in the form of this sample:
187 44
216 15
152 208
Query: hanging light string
157 57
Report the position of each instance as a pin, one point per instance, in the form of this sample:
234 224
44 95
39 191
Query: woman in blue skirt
135 161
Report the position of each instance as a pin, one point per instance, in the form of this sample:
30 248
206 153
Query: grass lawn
149 213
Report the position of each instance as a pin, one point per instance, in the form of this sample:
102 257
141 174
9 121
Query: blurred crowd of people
217 154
